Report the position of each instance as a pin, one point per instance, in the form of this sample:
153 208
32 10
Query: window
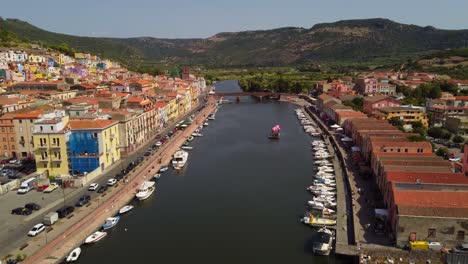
45 165
431 233
3 129
13 147
58 165
51 127
11 129
461 235
12 139
20 129
4 139
5 147
31 121
41 128
20 121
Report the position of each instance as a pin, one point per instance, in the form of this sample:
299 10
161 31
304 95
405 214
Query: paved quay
95 214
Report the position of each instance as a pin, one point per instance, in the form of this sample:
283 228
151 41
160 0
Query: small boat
157 176
95 237
327 211
146 189
316 205
275 132
74 255
314 221
163 169
324 245
205 124
125 209
110 222
186 147
190 138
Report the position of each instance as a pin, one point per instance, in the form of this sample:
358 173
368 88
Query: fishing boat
110 222
125 209
74 255
211 117
145 190
315 221
157 176
190 138
205 124
95 237
186 147
324 245
179 159
163 169
275 132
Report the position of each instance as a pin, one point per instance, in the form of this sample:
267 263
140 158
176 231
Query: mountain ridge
345 40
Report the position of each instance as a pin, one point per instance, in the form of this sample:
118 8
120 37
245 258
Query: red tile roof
427 177
91 124
441 199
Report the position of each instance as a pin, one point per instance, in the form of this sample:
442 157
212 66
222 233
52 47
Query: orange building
7 137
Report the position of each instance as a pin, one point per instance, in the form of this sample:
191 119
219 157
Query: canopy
355 149
335 126
346 139
339 129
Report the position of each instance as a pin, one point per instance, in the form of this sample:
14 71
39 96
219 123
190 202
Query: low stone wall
9 186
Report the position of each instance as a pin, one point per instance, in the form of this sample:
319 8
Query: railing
43 146
54 158
55 146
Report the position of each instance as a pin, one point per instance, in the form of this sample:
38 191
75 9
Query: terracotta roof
134 99
161 104
432 211
354 114
427 177
91 124
434 199
30 115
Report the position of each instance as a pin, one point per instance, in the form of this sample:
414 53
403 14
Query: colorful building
8 137
24 128
405 113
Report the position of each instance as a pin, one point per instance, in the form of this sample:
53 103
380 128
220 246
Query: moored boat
125 209
186 147
74 255
275 132
190 138
157 176
324 245
111 222
145 190
163 169
95 237
179 159
315 221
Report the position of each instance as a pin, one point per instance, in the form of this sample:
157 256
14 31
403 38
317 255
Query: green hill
342 41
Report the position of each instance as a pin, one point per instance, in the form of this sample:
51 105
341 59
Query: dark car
170 133
154 147
147 153
123 172
83 200
119 176
166 137
102 189
32 206
21 211
65 211
140 159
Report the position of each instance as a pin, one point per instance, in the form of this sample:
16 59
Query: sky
204 18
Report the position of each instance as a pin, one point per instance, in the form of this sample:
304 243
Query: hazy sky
203 18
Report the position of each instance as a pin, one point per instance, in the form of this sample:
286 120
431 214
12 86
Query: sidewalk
92 217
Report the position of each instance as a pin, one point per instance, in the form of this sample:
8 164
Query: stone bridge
258 95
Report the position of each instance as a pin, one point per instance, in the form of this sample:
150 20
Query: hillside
344 41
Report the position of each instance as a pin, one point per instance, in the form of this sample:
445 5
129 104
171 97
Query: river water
238 200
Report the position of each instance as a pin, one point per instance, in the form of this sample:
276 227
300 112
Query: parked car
159 143
119 176
32 206
83 200
50 218
41 188
139 160
65 211
93 186
51 187
461 249
21 211
102 189
111 181
37 229
154 147
13 161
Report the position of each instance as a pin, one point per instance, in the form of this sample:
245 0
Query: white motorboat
205 124
325 188
190 138
186 147
179 159
145 190
316 205
95 237
157 176
110 222
74 255
327 211
328 201
324 245
125 209
163 169
326 193
326 169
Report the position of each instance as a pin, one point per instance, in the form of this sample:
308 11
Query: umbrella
335 126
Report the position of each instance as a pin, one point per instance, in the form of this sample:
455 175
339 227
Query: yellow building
50 136
173 108
94 144
406 114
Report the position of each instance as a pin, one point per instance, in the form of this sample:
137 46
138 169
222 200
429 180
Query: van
419 245
23 189
31 182
65 211
50 218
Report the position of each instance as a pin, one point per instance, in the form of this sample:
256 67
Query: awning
346 139
339 129
335 126
355 149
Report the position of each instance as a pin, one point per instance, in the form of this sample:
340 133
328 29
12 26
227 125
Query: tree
435 132
458 139
442 152
396 121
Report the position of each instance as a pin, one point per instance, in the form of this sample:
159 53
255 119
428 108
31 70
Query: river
238 200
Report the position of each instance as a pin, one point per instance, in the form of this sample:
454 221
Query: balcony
22 142
43 159
55 146
112 136
56 159
43 146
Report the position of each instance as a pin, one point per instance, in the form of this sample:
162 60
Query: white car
158 144
111 181
454 159
51 187
93 186
36 230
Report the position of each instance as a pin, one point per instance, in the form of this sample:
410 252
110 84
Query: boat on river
324 245
163 169
95 237
145 190
190 138
179 159
111 222
157 176
125 209
74 255
275 132
186 147
315 221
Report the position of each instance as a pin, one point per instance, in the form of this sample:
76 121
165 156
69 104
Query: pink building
373 103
